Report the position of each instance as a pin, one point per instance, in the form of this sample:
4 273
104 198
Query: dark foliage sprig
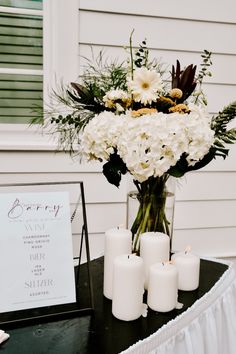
85 98
184 80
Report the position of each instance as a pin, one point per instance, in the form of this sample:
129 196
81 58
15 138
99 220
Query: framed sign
42 241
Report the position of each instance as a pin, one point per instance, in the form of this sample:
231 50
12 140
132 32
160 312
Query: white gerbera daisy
145 86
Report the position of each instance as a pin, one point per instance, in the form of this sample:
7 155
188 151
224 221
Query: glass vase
151 208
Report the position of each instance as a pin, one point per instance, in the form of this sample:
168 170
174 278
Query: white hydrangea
200 136
150 144
99 137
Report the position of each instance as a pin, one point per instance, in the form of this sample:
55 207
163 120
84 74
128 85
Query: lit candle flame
121 226
167 262
187 249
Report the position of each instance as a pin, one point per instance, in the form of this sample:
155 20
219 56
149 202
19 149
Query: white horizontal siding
98 190
105 216
205 214
199 186
43 161
211 10
219 96
219 164
215 242
162 33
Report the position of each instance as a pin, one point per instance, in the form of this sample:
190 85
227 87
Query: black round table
100 332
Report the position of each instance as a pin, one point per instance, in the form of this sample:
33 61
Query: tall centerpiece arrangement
135 119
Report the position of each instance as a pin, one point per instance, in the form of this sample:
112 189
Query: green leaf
205 161
113 169
180 168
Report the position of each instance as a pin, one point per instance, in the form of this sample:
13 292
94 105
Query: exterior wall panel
205 200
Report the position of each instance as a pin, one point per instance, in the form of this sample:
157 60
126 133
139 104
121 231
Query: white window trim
61 63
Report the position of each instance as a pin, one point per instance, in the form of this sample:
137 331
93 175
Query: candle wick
163 263
185 252
128 256
118 227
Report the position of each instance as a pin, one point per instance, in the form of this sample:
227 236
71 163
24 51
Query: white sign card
36 257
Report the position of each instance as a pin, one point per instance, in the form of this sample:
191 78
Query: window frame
60 64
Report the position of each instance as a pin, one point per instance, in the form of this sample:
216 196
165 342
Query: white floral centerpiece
133 121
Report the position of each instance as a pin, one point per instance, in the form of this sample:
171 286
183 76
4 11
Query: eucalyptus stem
131 54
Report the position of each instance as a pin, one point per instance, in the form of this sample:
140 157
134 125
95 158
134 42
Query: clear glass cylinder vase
151 208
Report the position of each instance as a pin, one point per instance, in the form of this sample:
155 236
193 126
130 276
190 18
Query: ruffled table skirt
207 327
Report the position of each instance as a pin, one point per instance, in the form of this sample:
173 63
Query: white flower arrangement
129 118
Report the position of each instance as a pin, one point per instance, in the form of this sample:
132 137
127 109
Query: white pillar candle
117 241
163 287
128 287
188 265
154 247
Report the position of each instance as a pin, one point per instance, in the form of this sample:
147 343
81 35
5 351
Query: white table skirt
207 327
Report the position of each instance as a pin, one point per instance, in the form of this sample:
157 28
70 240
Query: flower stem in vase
151 215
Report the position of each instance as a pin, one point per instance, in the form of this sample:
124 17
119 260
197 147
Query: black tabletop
100 332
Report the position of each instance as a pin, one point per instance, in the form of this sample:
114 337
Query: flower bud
176 93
